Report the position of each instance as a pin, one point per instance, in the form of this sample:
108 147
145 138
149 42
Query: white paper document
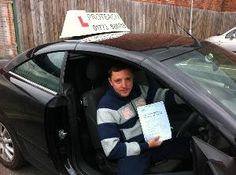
154 121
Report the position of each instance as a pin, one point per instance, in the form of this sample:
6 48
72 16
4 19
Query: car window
43 70
231 34
214 71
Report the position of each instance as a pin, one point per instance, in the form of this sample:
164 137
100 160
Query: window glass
43 70
231 34
212 69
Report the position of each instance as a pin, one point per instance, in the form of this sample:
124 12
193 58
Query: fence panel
42 20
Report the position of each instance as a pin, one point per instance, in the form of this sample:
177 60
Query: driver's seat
90 102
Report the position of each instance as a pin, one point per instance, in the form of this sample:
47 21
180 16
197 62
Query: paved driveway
26 170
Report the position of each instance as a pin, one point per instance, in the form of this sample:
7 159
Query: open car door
210 161
60 114
60 121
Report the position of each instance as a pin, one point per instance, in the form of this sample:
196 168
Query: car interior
87 75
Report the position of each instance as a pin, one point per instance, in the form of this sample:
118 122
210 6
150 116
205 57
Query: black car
49 95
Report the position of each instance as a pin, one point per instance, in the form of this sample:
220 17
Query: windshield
214 70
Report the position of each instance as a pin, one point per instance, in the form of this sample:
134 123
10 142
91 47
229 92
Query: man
120 130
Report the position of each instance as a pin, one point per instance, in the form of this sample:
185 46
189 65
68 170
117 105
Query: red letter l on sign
83 24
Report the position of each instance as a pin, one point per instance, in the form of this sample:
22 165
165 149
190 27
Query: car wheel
10 155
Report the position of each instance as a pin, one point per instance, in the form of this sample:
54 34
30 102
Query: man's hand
155 142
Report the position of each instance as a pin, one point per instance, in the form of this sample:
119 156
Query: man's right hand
155 142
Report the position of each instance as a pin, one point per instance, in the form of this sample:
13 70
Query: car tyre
10 154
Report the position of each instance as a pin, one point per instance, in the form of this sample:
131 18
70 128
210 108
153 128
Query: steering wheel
192 117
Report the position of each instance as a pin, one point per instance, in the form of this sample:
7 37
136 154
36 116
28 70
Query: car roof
130 42
147 41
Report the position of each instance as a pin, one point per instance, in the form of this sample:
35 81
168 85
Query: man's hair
118 67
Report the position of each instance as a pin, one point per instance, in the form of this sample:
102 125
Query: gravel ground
26 170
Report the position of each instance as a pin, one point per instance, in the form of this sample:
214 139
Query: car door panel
228 43
25 116
25 111
32 117
29 88
210 160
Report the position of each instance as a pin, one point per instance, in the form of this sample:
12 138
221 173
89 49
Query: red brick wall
229 5
7 32
215 5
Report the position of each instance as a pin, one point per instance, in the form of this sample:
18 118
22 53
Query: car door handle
62 134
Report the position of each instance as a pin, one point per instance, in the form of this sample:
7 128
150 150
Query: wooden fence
41 21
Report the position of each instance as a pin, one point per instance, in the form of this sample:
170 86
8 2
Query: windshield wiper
196 41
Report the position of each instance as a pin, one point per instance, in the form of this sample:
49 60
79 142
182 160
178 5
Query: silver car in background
226 40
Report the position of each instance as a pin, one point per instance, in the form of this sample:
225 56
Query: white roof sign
81 23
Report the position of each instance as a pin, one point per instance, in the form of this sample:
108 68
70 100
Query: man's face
122 82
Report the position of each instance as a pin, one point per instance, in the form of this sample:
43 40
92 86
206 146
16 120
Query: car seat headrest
92 70
97 71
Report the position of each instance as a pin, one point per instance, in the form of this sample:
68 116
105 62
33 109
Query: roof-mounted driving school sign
81 23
